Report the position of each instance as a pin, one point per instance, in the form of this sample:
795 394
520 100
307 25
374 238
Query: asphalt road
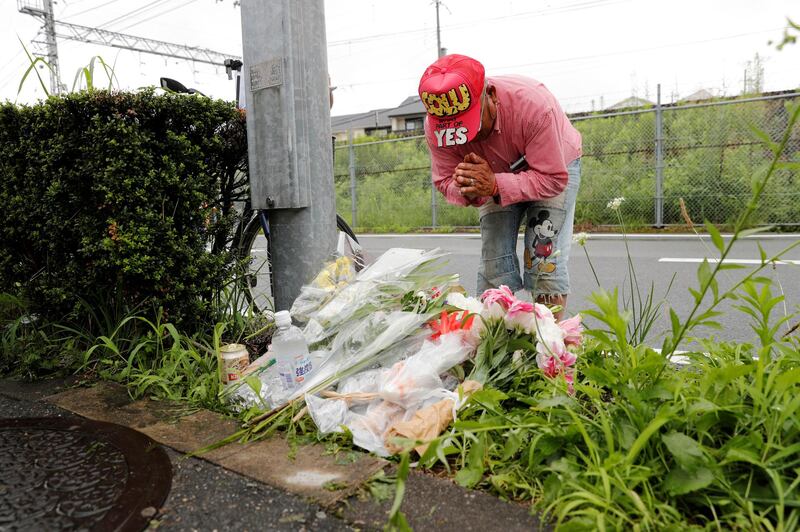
655 258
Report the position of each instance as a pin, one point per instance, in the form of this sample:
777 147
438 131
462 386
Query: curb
592 236
309 471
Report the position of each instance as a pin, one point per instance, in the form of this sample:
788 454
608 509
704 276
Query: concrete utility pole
289 136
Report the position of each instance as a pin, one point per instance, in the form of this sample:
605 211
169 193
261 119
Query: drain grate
77 474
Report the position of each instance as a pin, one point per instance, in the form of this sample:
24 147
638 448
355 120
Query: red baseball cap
450 90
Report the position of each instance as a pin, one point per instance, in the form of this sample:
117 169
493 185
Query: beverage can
234 360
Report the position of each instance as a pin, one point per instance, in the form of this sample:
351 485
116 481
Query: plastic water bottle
291 353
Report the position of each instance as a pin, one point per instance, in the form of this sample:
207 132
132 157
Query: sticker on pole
266 74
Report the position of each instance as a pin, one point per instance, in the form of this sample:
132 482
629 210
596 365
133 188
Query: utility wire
138 11
580 6
158 15
90 9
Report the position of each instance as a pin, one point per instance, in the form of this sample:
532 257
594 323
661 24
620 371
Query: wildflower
573 330
580 238
615 203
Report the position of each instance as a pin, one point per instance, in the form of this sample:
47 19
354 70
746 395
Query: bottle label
302 367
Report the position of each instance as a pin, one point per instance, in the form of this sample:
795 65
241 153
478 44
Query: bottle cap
283 318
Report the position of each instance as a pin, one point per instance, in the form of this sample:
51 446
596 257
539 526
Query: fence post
659 197
433 198
353 202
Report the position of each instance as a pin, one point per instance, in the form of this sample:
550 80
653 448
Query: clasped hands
474 176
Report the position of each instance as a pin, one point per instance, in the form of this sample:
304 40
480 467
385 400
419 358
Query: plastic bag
414 380
393 394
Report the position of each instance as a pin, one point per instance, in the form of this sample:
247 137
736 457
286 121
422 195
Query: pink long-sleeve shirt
529 122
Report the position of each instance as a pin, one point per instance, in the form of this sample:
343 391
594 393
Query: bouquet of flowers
389 341
514 332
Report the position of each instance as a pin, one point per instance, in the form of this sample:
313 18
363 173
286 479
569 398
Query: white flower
494 311
615 203
580 238
470 304
548 333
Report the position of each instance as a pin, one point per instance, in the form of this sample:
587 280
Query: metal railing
705 153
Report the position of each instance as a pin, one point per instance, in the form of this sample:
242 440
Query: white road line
727 261
598 236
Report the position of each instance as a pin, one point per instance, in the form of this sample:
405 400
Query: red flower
447 323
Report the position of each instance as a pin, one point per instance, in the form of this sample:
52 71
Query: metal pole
439 53
659 203
438 31
434 208
353 201
52 47
289 136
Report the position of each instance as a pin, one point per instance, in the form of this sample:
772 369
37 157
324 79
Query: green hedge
116 197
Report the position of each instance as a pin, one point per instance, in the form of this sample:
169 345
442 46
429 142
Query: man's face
488 112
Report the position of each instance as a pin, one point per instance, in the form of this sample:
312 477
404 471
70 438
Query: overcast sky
588 52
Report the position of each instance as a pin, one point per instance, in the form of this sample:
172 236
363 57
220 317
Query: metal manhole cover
77 474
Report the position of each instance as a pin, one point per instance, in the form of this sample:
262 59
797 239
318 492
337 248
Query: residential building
406 118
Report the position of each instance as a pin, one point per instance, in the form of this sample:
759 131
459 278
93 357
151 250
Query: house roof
377 118
411 106
632 101
702 94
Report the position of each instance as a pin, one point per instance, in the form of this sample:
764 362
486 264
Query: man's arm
547 174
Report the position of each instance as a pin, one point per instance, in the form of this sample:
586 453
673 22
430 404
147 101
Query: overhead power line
158 15
133 13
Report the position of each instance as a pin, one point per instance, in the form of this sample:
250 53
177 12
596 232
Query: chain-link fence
704 153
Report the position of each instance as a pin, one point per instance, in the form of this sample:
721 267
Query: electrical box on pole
285 76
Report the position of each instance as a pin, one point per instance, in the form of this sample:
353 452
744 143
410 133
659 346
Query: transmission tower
43 9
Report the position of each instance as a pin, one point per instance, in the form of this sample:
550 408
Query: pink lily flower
573 330
503 296
556 361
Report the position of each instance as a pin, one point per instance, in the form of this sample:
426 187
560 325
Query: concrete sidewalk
263 484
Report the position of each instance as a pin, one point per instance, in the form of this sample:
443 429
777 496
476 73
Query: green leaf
514 439
675 321
489 397
754 231
397 521
468 477
704 273
686 450
663 417
716 238
680 481
599 376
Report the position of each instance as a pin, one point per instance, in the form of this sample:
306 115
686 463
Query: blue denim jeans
548 237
